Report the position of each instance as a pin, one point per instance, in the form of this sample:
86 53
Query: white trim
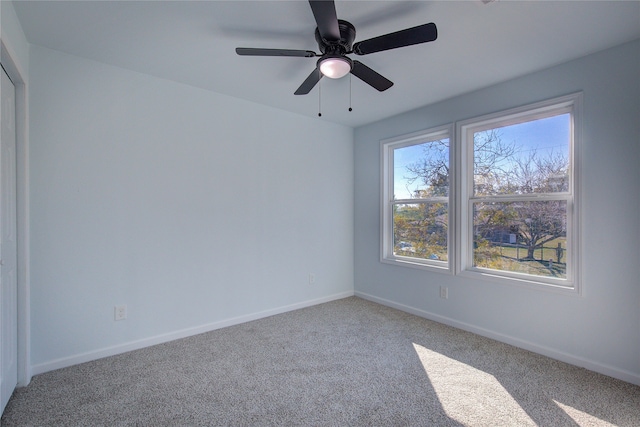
387 191
17 75
171 336
571 359
576 182
571 104
525 113
516 279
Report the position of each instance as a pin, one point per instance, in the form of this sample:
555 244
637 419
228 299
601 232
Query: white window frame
571 104
387 196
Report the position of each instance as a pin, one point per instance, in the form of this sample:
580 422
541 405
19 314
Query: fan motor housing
339 47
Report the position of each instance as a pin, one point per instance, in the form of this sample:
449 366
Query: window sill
440 267
564 287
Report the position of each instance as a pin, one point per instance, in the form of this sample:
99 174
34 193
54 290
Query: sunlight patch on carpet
582 418
469 395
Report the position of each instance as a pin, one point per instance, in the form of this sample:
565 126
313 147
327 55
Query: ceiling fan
335 40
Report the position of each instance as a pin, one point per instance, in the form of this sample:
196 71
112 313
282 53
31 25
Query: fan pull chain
320 98
350 109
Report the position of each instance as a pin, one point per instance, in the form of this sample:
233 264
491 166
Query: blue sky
546 135
402 157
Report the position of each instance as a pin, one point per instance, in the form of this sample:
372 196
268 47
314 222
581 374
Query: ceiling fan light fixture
335 41
335 67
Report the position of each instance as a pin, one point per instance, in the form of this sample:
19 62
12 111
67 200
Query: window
499 204
416 190
518 192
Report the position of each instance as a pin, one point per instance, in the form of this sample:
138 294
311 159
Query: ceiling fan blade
370 77
249 51
309 83
410 36
325 13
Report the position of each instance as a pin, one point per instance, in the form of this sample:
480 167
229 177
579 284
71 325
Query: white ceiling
194 42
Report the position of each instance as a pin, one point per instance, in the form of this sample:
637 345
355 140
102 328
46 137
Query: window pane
421 170
524 237
530 157
420 230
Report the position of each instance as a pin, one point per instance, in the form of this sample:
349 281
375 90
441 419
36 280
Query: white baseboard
159 339
611 371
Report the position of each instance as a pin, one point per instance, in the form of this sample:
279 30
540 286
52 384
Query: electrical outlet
444 292
312 279
120 312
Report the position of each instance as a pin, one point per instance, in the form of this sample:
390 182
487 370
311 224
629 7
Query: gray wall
195 209
181 204
12 35
599 329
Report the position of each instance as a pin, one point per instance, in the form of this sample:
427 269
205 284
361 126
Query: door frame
17 76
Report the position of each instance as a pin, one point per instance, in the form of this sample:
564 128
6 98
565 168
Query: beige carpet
345 363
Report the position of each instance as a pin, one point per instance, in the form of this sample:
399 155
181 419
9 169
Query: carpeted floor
345 363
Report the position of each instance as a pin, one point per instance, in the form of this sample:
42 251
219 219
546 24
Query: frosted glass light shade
335 68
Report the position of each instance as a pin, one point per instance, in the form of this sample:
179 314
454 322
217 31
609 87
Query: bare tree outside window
513 230
498 202
421 207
